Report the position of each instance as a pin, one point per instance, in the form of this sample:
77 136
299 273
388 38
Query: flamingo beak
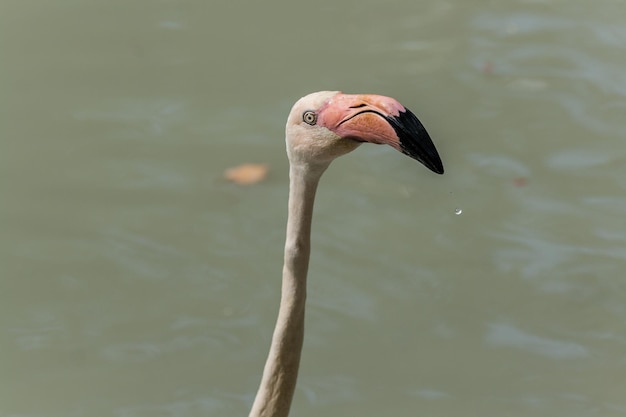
381 120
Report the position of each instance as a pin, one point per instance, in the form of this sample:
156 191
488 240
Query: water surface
137 282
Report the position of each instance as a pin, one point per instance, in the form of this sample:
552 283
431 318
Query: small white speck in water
458 211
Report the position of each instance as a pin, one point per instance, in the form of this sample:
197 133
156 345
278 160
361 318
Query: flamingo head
328 124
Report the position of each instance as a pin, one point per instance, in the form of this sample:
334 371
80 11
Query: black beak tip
415 141
430 160
437 169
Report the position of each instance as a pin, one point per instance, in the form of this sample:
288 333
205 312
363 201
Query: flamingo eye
309 117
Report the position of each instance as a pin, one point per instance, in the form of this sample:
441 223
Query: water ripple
506 335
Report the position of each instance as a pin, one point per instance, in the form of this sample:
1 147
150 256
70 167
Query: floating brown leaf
247 174
520 181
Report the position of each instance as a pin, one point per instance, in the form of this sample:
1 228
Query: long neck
281 369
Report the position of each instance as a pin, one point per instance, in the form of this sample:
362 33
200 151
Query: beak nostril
358 106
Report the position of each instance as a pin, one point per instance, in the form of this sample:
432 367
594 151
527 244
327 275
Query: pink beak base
381 120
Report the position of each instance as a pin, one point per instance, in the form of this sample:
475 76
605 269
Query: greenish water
136 282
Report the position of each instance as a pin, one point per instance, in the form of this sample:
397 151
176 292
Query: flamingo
322 126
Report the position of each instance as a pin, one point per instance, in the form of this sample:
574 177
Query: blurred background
137 281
